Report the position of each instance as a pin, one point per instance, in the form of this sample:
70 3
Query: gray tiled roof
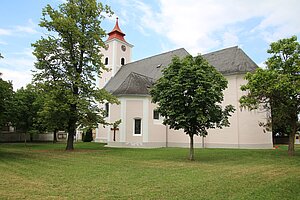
231 60
135 84
136 77
150 67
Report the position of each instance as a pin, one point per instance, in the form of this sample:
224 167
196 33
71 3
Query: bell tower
116 53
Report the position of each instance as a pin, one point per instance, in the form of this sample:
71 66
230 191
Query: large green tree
277 88
189 96
71 54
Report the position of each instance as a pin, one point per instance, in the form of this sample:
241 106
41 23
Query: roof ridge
157 55
236 57
140 75
128 77
137 61
242 53
233 47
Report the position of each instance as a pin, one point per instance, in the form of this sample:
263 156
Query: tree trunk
191 147
291 148
25 140
72 127
70 141
55 136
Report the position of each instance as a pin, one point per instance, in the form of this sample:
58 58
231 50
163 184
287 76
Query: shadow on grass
179 155
13 155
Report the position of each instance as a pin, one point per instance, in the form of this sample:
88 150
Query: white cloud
18 78
25 29
262 65
17 67
3 42
230 39
202 25
5 31
29 28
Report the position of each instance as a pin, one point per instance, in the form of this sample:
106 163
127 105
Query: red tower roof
116 33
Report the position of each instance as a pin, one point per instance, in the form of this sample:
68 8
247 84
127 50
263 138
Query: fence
20 137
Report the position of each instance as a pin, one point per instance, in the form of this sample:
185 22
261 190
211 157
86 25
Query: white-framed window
137 126
106 61
155 114
157 118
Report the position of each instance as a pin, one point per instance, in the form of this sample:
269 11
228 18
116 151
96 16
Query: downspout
167 132
237 113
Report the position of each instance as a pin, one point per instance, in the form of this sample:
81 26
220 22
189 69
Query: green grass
46 171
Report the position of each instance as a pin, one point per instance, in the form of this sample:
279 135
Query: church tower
116 54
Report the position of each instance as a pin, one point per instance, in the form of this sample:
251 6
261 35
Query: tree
72 56
6 95
54 111
277 88
24 109
87 136
189 96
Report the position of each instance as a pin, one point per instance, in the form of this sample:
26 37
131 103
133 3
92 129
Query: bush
88 136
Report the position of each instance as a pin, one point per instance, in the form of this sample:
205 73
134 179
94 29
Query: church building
141 125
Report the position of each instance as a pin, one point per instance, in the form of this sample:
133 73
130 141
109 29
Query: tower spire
116 32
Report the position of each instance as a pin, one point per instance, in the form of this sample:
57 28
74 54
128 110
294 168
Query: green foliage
116 123
189 96
54 111
277 88
6 95
25 108
69 60
88 136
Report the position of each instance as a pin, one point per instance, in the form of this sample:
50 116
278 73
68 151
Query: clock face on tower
123 47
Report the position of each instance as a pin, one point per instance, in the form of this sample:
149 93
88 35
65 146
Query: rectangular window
106 109
155 114
137 126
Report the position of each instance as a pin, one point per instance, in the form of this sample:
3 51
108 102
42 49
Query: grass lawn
46 171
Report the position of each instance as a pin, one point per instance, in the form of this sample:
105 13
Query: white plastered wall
244 131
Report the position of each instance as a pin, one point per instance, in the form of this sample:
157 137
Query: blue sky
157 26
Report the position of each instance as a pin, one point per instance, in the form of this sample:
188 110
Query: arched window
106 61
122 61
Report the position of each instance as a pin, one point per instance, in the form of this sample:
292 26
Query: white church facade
141 125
